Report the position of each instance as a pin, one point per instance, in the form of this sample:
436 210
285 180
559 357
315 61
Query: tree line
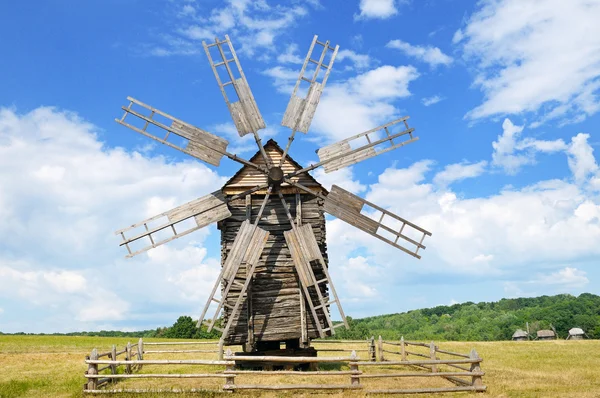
485 321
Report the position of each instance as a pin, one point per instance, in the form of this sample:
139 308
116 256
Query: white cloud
284 79
290 55
428 101
511 233
428 54
535 56
567 278
376 9
459 171
511 153
362 102
581 157
343 178
360 61
63 194
253 25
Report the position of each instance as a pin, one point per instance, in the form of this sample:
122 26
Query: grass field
39 366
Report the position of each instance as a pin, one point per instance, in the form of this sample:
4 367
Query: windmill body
274 285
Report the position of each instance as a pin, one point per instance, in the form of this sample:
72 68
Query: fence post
140 350
380 344
372 354
354 378
128 358
476 381
220 348
402 349
230 379
113 357
432 355
92 384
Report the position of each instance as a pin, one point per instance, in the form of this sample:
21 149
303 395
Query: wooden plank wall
275 290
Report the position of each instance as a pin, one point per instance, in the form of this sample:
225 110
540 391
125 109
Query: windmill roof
248 177
575 331
519 333
545 333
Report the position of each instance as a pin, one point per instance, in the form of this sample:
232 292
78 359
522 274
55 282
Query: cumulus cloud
254 24
511 152
377 9
433 56
362 102
64 193
535 57
459 171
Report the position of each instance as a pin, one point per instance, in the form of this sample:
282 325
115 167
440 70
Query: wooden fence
384 359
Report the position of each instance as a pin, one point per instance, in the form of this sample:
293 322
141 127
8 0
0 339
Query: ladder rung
314 62
324 44
219 329
217 43
237 284
215 300
321 280
339 325
223 62
306 80
228 83
324 305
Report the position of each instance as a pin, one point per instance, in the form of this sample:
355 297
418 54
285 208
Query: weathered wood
419 374
452 353
161 362
300 111
403 348
297 372
201 144
432 356
347 207
205 210
163 376
372 350
147 391
128 358
289 359
244 111
425 390
177 351
476 381
341 154
380 347
423 362
181 342
92 384
292 387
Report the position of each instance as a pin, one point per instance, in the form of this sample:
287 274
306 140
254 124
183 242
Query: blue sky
503 95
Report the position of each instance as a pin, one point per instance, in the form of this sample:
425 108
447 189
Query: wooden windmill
274 282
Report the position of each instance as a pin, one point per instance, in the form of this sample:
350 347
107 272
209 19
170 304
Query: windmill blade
364 146
247 248
200 144
390 228
300 111
304 249
204 211
244 111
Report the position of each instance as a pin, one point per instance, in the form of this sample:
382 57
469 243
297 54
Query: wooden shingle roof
248 177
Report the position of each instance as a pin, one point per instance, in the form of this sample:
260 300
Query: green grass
39 366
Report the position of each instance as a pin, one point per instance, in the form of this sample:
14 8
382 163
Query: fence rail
379 363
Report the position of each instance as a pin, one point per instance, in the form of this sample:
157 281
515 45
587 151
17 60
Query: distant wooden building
546 335
576 334
520 335
275 311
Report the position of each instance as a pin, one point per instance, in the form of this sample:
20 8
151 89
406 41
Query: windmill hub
275 175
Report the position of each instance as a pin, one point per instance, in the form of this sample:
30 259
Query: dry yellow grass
35 366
